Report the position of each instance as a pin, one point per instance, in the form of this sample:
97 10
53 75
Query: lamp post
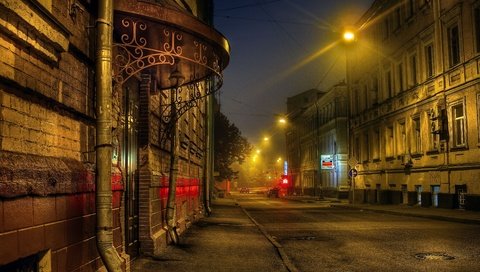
349 37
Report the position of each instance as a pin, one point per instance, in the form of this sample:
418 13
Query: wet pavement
229 240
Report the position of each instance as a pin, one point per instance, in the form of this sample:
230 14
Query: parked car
273 192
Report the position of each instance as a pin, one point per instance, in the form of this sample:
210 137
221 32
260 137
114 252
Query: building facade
316 141
415 97
166 61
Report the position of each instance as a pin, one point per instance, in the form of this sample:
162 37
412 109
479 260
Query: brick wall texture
47 137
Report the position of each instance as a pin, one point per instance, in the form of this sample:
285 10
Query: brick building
167 59
414 90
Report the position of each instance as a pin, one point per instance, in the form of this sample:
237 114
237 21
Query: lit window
458 117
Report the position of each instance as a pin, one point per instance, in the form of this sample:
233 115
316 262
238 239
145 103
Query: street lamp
349 36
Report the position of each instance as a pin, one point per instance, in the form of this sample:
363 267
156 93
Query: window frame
413 63
433 139
376 144
454 45
476 29
389 142
417 134
389 84
402 138
429 60
456 127
401 77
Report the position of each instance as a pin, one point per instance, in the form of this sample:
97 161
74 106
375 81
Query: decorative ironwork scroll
143 45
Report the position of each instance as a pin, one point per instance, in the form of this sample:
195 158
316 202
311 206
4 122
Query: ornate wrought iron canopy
153 39
184 56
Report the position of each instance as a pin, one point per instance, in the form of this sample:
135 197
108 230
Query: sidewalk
461 216
226 241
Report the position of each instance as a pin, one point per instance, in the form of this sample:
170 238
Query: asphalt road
317 237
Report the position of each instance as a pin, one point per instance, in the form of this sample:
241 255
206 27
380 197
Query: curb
427 216
283 255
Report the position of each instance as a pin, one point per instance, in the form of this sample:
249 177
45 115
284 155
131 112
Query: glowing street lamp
349 36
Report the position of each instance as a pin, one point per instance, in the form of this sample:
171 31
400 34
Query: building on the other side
316 142
332 141
415 97
155 67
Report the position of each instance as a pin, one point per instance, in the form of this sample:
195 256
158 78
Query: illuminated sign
285 168
327 162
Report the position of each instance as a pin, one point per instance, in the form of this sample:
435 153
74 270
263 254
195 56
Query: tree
229 147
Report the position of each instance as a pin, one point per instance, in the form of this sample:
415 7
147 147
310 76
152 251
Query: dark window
429 59
417 134
413 69
454 45
374 90
400 77
410 8
397 19
389 84
477 28
386 26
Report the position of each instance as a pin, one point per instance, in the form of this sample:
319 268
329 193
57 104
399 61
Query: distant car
244 190
273 192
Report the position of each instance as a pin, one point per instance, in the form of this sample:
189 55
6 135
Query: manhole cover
434 256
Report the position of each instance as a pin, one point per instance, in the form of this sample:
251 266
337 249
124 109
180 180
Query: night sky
270 41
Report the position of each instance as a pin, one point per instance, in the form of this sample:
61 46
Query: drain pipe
176 79
210 152
103 76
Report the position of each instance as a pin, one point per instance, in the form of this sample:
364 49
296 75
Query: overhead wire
327 72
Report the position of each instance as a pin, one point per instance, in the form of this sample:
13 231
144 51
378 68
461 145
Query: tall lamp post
349 37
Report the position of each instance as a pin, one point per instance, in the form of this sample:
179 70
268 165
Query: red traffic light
285 179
